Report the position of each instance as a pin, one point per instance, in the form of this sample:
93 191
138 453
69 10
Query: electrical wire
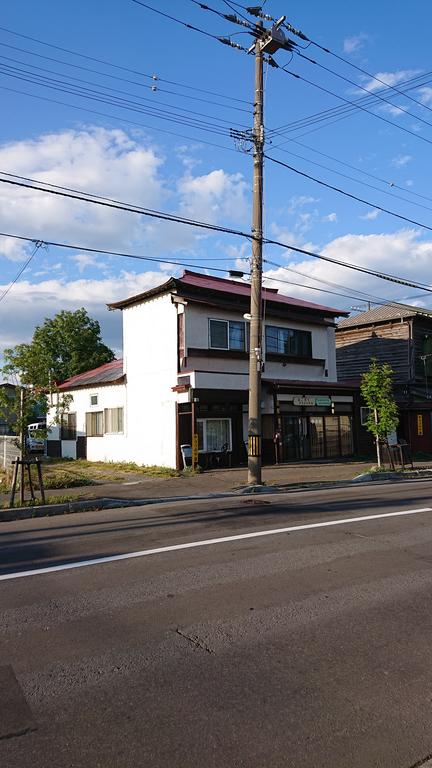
142 100
357 181
118 119
348 194
276 132
37 244
228 17
117 102
117 205
67 246
359 170
362 88
381 302
346 111
192 27
368 74
153 88
124 69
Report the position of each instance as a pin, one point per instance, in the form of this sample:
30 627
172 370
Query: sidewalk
214 481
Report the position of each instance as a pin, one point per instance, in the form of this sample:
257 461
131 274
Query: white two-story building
185 371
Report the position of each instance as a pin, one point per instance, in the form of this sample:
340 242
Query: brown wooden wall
389 343
422 327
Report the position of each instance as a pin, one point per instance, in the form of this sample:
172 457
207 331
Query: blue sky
141 162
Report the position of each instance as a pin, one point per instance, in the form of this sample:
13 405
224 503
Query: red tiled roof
109 373
223 286
243 289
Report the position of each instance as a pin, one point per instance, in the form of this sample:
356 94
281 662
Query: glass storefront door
295 438
316 428
316 437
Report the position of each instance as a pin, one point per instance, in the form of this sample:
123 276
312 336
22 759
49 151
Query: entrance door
295 438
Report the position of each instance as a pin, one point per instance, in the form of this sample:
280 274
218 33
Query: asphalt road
308 647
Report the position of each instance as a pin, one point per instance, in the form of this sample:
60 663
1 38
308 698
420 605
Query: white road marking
206 543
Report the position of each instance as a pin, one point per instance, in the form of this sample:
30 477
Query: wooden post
28 465
40 480
14 481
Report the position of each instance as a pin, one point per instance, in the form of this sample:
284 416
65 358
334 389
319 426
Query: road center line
207 542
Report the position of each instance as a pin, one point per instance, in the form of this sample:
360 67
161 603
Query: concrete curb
67 508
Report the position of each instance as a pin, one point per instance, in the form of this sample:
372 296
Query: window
213 434
227 334
364 415
287 341
113 420
68 426
94 424
94 399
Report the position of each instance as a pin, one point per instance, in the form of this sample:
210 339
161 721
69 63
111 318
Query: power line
117 119
224 40
347 101
348 194
345 111
122 68
368 74
116 102
357 181
359 170
117 205
356 85
373 300
37 244
142 99
122 79
68 246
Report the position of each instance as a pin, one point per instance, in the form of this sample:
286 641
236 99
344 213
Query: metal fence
8 450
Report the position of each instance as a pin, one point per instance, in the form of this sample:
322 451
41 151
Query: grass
70 473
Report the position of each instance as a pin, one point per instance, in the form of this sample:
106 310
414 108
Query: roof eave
169 285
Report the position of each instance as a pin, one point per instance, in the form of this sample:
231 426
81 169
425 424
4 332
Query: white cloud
330 217
299 201
354 43
409 183
84 260
14 250
389 78
116 165
29 303
400 160
370 215
401 253
214 196
425 94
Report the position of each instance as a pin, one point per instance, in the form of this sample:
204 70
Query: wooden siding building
402 337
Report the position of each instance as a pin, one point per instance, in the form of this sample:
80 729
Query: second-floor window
227 334
288 341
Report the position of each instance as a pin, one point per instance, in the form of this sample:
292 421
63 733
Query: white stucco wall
197 335
150 361
107 448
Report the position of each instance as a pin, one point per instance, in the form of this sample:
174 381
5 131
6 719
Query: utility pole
255 349
267 42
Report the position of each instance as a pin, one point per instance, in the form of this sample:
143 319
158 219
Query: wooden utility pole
23 436
255 350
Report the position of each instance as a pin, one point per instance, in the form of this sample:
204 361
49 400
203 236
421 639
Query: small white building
185 371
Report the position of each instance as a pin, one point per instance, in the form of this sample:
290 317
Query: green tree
68 344
377 392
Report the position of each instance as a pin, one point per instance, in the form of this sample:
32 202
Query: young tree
377 392
68 344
